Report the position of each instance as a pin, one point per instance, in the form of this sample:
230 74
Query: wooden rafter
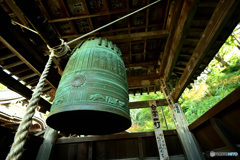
16 43
110 31
173 25
139 36
188 10
217 22
132 65
17 12
89 16
16 86
144 77
143 84
134 36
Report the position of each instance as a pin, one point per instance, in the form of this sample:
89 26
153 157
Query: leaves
215 83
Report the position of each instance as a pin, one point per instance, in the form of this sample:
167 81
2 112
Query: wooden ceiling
172 39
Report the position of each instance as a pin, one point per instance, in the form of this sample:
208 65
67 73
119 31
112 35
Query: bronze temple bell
92 96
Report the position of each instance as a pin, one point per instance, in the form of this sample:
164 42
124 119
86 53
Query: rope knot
59 50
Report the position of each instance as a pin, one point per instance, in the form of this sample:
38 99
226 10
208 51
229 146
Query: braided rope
60 50
23 129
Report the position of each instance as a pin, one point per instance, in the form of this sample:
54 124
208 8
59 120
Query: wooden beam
14 64
143 81
7 56
170 15
187 13
177 11
88 16
110 31
27 76
219 107
20 71
145 104
143 77
217 22
134 36
139 85
139 36
13 38
225 134
30 60
18 87
17 12
187 139
46 88
143 64
90 150
47 147
140 148
112 137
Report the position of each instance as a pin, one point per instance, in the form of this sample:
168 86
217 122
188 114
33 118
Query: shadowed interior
88 122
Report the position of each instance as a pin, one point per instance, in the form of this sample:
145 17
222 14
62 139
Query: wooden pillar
225 134
45 151
190 146
162 147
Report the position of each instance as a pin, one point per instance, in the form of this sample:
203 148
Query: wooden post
162 147
225 134
45 151
164 118
190 146
140 148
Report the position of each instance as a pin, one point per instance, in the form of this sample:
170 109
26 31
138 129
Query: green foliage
211 87
142 118
220 81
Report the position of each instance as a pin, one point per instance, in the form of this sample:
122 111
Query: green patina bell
92 96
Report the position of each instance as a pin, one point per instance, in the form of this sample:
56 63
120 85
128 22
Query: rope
16 150
65 46
20 137
60 50
16 23
119 19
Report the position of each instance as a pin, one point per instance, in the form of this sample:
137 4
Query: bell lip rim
123 115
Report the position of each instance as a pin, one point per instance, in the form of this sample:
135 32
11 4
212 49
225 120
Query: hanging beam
162 147
145 104
216 24
18 87
186 16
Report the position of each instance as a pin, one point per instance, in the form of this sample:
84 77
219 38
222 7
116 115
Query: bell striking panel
92 96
